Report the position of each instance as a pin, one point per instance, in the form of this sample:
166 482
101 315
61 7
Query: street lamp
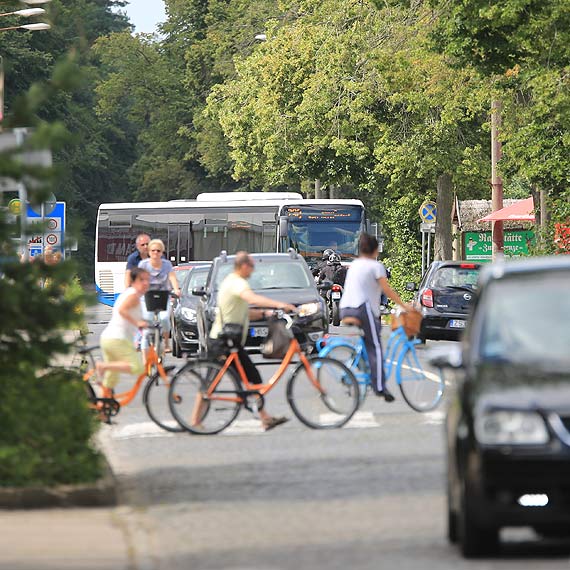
31 27
27 13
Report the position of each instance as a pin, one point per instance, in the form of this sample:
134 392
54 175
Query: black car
508 425
184 326
281 276
444 297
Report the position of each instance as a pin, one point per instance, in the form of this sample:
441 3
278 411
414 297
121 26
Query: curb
101 493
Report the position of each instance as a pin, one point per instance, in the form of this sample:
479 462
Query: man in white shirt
365 281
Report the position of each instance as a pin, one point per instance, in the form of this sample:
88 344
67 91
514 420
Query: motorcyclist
321 263
333 270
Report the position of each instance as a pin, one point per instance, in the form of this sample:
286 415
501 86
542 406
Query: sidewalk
64 539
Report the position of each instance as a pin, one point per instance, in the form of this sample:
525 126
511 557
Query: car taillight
427 298
468 266
336 288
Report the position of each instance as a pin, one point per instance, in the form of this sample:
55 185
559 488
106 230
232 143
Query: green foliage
45 426
45 429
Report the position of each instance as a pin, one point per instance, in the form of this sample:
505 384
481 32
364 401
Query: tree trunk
443 243
319 190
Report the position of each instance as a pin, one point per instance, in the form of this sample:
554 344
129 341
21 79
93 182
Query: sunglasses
159 250
143 244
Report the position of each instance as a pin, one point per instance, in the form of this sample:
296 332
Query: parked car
444 297
508 424
184 326
281 276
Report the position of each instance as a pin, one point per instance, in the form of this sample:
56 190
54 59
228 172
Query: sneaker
274 422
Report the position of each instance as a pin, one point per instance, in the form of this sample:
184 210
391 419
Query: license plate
336 295
257 332
455 324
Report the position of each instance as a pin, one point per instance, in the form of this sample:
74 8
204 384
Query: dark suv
281 276
444 297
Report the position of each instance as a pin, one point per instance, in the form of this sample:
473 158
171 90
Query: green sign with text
479 246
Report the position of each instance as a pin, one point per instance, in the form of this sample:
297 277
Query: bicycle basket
278 339
411 320
156 300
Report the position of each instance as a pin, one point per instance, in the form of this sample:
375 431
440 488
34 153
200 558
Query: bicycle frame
294 348
393 358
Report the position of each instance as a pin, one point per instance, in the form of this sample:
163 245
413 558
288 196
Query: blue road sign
53 233
428 212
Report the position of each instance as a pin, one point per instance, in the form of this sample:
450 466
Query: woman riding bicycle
117 340
365 281
162 278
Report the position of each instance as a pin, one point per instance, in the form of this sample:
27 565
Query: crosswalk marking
139 430
252 426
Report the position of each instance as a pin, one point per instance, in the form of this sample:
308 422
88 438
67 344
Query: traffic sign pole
428 215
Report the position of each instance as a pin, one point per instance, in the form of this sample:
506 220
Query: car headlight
188 314
309 309
502 427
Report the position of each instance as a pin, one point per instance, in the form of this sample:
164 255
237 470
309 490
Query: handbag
411 320
278 339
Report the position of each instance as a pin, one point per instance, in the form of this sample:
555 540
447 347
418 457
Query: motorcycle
333 300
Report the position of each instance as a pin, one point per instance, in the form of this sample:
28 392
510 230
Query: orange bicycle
206 396
155 394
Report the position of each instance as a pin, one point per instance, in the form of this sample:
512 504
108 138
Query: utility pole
496 181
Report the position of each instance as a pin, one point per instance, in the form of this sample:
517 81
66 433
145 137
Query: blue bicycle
422 390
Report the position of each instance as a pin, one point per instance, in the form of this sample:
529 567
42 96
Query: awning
522 210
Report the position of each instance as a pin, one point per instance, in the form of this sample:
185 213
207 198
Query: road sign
15 206
53 233
427 228
428 212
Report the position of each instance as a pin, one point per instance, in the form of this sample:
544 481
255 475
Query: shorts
120 350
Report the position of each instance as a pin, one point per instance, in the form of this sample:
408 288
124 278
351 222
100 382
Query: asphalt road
370 495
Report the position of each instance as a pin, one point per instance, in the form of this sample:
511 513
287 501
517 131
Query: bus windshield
314 228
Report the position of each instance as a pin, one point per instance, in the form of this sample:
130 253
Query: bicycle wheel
422 389
155 399
195 412
346 354
325 396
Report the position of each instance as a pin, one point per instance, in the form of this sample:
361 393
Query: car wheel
475 540
452 530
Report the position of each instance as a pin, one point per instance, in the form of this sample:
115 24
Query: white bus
197 230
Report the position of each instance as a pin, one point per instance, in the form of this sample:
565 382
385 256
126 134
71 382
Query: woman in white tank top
117 340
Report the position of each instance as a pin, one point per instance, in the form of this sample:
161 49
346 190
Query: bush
45 425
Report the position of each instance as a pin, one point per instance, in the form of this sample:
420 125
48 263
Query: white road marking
435 418
244 427
360 420
141 430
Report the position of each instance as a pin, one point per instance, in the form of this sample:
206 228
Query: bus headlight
188 314
502 427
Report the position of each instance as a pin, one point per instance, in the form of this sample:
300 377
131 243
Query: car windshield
271 275
456 276
526 320
196 279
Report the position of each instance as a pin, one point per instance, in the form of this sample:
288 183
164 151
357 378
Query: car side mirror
445 357
325 285
199 291
411 286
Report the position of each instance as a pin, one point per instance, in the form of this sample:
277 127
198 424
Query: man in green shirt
234 300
